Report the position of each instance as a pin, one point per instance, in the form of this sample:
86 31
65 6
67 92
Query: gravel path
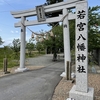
64 86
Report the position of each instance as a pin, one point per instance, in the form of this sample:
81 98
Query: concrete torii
62 6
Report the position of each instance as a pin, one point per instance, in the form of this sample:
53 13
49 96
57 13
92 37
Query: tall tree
53 14
30 46
49 15
16 48
72 34
1 42
40 46
55 40
93 27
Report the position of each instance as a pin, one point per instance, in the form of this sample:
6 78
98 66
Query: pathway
33 85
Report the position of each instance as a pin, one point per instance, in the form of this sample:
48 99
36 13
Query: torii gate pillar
67 59
22 47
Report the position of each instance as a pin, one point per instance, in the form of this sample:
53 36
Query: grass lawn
13 60
9 54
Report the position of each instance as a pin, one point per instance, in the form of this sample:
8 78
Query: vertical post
81 91
66 41
81 47
5 65
22 47
68 70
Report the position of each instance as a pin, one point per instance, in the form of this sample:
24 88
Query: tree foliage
55 42
30 46
1 42
40 46
94 27
52 1
72 34
58 35
16 48
16 45
53 14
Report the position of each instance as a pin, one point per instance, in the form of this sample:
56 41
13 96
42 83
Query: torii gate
62 6
80 91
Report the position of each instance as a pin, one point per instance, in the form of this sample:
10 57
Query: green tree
58 36
72 34
49 2
16 48
54 43
7 51
40 46
53 14
93 28
30 46
1 42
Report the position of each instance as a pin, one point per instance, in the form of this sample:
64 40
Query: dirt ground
62 90
12 70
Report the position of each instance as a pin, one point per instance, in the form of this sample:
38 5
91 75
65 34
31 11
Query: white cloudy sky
7 30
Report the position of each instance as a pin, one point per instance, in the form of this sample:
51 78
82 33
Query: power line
9 4
6 11
29 28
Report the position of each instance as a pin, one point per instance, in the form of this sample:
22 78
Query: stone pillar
22 47
66 45
81 91
81 47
